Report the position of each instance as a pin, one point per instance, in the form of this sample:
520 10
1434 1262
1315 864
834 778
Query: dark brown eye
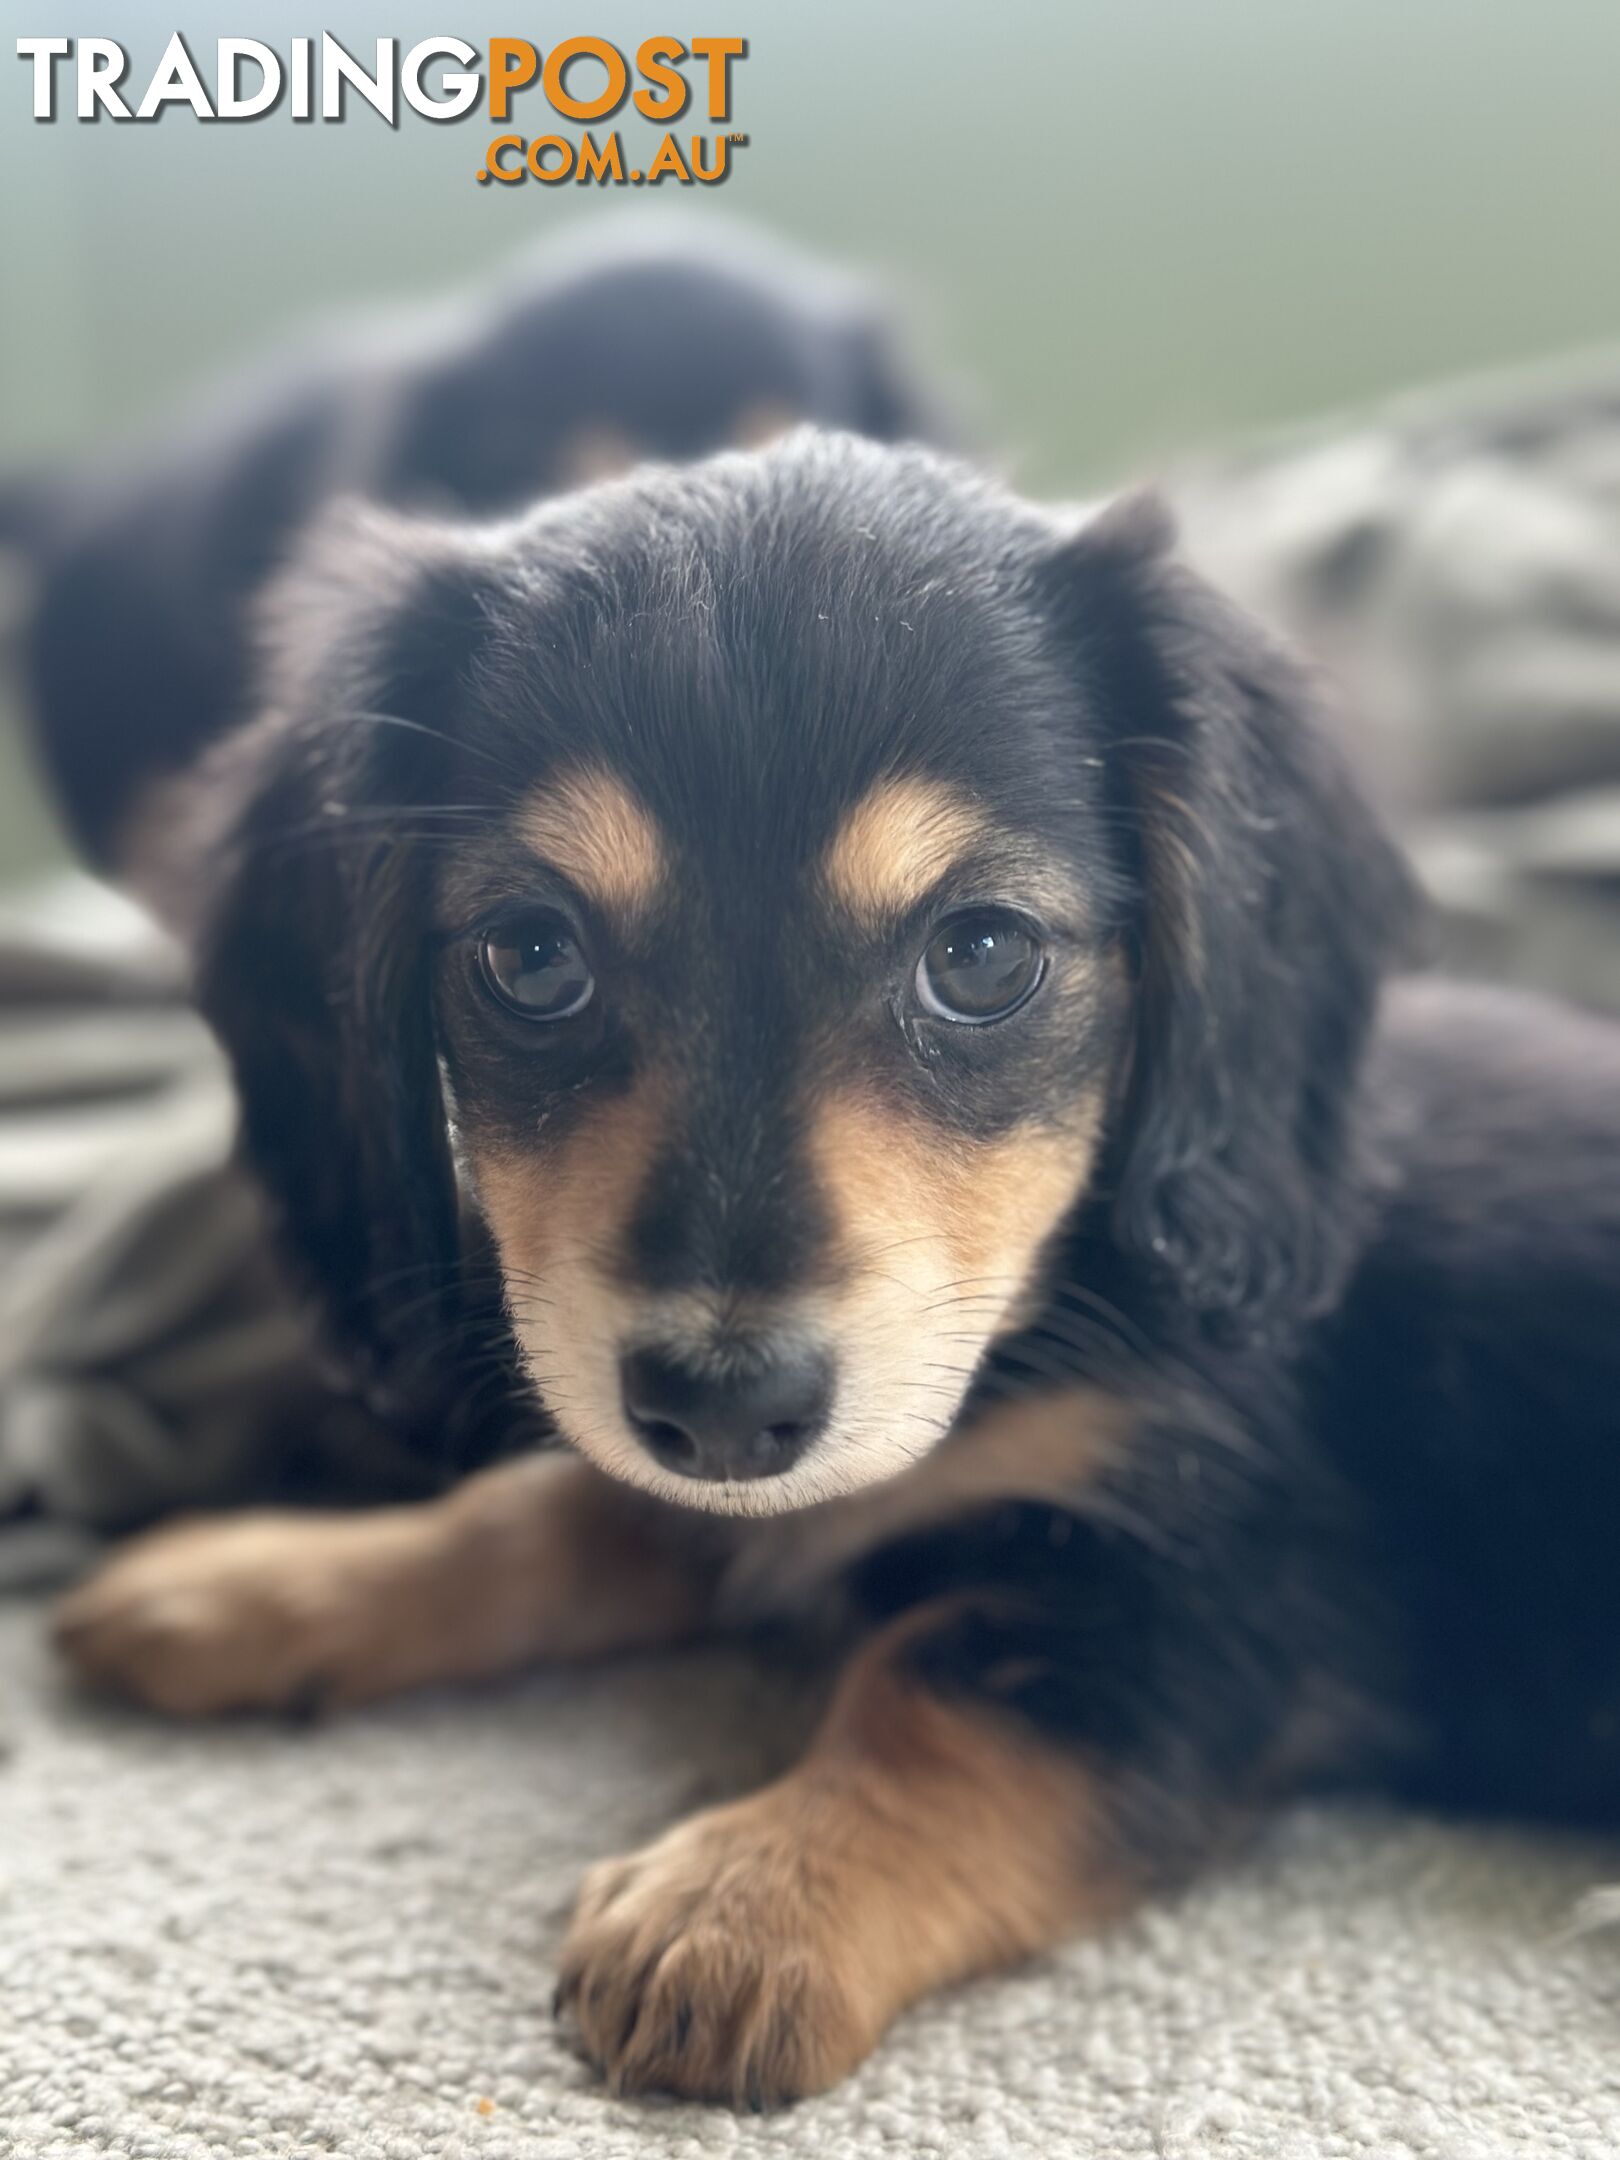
979 966
535 966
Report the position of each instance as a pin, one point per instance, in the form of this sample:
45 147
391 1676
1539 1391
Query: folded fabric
151 1356
1454 564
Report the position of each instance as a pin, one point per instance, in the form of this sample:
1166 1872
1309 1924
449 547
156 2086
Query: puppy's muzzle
743 1420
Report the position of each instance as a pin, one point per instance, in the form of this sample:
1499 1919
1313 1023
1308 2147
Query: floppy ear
314 952
1271 906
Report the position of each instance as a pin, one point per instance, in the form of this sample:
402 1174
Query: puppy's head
785 888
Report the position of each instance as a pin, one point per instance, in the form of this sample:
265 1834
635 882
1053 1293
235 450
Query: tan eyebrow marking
896 845
590 828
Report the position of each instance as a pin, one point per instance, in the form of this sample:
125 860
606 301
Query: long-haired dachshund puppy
893 988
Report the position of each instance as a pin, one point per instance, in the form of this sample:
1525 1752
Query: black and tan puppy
573 363
904 985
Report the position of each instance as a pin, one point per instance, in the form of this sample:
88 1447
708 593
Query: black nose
748 1422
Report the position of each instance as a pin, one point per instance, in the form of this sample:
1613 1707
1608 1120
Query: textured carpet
337 1940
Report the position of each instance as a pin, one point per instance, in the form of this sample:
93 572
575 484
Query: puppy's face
784 823
780 983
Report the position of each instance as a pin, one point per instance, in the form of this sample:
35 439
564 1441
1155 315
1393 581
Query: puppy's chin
837 1465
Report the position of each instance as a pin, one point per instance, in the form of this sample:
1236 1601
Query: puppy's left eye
536 967
980 966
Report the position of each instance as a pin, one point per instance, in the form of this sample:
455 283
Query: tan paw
723 1962
245 1612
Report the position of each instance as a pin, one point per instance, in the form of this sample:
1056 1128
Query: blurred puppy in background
866 1004
137 647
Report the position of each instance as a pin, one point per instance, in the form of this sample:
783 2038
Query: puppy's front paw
248 1612
723 1962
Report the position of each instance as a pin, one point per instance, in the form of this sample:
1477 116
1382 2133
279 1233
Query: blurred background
1135 231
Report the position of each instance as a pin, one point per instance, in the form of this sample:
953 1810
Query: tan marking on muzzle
558 1215
938 1238
571 1200
590 829
897 844
983 1201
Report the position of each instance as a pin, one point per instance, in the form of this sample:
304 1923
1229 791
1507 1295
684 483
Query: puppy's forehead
784 661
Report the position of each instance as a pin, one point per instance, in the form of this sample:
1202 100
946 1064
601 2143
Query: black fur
137 650
1352 1250
1235 1177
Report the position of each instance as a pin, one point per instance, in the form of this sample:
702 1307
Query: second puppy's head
786 888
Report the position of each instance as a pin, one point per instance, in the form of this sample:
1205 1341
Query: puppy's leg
758 1951
539 1558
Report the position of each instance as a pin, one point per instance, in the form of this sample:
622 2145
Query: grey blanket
151 1358
1455 564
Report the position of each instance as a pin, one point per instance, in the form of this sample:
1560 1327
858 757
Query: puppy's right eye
536 967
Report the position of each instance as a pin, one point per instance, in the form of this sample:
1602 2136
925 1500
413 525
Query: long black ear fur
314 952
1272 905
